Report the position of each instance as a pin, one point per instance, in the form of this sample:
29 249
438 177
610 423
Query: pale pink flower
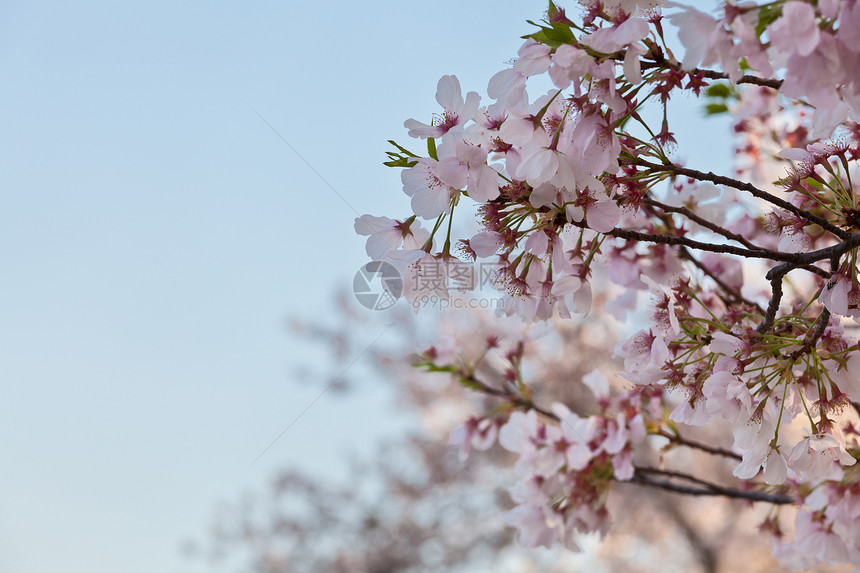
692 411
508 87
644 356
570 64
597 383
531 521
698 32
829 8
457 111
726 344
815 456
534 58
834 295
432 184
614 38
775 468
728 397
486 243
482 181
603 216
797 30
849 25
478 433
517 435
385 235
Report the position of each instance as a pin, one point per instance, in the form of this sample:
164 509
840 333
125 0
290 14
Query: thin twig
698 445
642 476
515 399
745 79
744 186
704 223
660 61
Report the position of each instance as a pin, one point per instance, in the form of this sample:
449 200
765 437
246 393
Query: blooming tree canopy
745 284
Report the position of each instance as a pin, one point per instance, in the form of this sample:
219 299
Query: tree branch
660 61
743 186
745 79
704 223
775 276
698 445
642 476
472 381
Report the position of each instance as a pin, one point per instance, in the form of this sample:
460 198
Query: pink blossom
698 33
456 110
478 433
431 184
834 295
797 30
613 39
385 235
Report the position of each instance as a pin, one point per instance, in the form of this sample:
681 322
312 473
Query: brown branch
698 445
693 244
799 258
642 476
472 382
660 61
743 186
817 270
745 79
775 276
704 223
667 220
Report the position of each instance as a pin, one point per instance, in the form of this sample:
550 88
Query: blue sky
156 236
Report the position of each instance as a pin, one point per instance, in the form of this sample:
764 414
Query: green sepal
720 90
766 16
431 148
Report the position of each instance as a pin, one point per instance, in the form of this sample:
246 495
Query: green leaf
402 159
400 162
716 108
401 148
552 36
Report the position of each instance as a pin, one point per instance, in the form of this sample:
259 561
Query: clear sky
156 235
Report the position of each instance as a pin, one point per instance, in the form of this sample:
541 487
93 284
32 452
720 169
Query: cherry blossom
457 110
735 291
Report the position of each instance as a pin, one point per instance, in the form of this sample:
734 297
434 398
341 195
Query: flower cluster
566 468
752 278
